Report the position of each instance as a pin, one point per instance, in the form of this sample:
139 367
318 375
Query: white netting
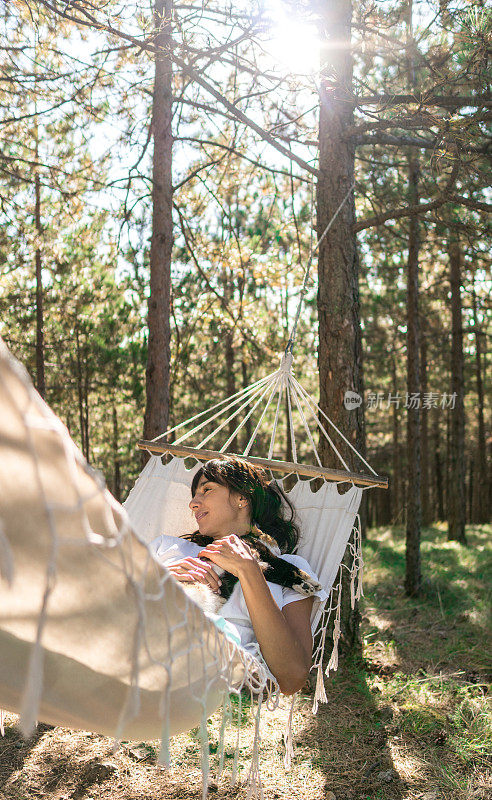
94 633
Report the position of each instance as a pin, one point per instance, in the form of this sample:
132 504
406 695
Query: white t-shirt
168 549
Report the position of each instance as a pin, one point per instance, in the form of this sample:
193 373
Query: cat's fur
274 568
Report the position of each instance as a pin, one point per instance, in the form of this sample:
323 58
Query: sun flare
295 46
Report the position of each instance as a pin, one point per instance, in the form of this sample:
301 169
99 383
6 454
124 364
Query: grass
411 721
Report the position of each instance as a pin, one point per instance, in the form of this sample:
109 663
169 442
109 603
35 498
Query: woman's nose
193 503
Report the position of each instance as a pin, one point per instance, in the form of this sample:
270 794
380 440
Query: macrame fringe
2 722
289 744
32 692
320 692
356 592
34 681
255 788
204 754
226 718
164 758
238 734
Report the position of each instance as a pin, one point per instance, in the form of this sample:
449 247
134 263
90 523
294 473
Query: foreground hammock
94 634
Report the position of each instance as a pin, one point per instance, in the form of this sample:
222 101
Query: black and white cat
275 569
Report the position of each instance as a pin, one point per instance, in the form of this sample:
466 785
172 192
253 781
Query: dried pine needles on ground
411 721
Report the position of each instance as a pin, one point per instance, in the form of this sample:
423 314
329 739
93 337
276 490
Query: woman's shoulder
168 548
298 561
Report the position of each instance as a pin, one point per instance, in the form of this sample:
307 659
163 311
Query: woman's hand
194 570
232 554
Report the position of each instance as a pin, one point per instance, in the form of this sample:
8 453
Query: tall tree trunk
116 455
86 390
483 489
457 493
395 481
413 571
40 377
425 488
470 490
438 486
80 391
231 386
159 352
339 353
248 427
413 575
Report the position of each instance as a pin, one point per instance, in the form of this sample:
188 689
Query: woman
228 497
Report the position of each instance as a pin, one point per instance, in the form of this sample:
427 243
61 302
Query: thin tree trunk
470 490
413 577
116 456
439 494
40 374
86 409
159 352
457 493
482 478
395 481
339 352
425 488
231 385
80 392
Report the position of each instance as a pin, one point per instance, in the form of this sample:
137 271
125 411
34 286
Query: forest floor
411 721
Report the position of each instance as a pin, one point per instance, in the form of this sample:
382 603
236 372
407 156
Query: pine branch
142 44
450 101
413 210
409 141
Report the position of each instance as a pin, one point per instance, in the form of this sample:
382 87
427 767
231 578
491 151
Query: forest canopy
249 174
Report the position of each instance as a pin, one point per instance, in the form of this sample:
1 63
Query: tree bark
413 576
457 493
116 456
159 353
425 489
483 489
40 373
438 486
339 354
396 477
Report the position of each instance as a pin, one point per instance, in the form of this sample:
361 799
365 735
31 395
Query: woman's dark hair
266 500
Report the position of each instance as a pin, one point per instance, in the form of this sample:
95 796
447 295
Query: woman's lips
200 516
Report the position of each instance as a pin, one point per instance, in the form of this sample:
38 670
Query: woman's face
219 511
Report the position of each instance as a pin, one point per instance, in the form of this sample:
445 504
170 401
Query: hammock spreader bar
286 467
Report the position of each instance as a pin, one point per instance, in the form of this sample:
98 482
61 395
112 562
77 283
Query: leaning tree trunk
457 494
339 353
159 352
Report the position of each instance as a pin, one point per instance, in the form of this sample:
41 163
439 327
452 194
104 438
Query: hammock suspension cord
269 392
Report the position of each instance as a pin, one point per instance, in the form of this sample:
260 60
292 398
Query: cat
275 569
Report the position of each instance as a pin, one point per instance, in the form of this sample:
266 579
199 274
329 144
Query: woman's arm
284 637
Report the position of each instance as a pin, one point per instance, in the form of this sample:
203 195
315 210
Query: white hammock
158 503
94 634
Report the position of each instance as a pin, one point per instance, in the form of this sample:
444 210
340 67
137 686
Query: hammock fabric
94 633
158 503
